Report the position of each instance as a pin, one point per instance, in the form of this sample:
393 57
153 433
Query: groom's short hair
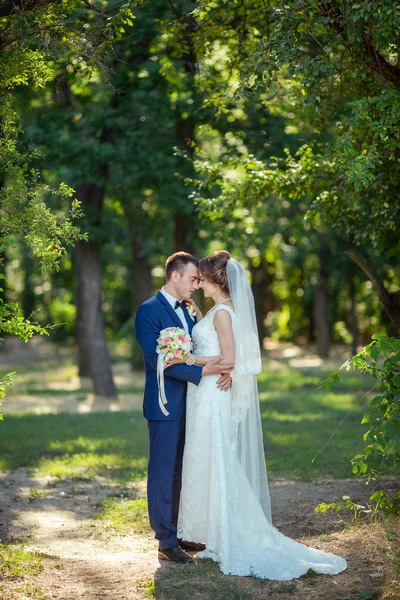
178 262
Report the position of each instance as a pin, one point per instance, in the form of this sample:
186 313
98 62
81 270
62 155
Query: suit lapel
189 320
169 309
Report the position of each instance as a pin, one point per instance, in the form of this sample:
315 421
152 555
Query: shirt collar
171 299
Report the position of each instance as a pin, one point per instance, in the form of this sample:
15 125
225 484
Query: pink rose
166 341
181 338
176 353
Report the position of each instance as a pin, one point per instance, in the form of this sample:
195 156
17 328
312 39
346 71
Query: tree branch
99 12
176 12
10 7
380 65
375 60
365 265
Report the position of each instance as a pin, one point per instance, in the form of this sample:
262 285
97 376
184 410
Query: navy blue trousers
167 440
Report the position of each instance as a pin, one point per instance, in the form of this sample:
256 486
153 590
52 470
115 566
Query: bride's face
209 289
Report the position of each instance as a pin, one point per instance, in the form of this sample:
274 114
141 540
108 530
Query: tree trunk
28 293
185 224
3 282
321 300
141 288
353 317
94 358
264 301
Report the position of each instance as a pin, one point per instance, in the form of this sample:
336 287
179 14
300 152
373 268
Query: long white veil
247 434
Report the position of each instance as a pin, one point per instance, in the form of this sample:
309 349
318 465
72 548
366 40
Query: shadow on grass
297 418
67 445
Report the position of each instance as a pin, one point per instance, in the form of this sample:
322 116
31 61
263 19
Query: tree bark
353 317
142 279
184 224
185 134
141 287
380 66
28 293
389 300
264 301
321 301
94 358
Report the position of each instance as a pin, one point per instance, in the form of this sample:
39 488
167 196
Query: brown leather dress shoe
175 554
191 546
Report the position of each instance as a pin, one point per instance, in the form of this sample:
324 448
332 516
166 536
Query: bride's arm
223 326
198 360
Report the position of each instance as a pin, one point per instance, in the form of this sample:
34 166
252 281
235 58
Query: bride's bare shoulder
228 302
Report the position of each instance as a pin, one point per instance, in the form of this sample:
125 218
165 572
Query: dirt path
82 561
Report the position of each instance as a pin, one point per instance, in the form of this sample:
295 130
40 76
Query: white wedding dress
218 506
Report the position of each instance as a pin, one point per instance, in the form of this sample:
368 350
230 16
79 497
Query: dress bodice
204 335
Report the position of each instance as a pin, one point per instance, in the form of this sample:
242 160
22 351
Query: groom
167 433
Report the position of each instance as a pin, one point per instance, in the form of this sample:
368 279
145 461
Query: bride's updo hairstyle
213 268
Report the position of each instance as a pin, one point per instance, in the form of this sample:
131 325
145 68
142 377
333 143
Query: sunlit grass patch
147 587
16 562
290 378
26 591
49 371
119 467
35 494
290 448
124 516
298 418
72 445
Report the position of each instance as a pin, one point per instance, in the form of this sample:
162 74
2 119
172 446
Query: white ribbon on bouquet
162 399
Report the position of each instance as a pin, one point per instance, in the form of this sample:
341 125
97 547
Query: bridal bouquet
173 342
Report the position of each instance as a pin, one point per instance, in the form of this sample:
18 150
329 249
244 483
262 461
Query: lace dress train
218 506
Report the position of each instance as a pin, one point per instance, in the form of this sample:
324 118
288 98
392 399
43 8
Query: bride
225 500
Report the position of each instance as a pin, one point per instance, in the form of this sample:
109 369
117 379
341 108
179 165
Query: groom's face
188 282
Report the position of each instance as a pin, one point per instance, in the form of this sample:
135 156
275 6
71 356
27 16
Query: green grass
71 445
26 591
16 562
203 579
123 516
297 418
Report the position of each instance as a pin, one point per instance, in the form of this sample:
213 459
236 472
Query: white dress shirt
179 311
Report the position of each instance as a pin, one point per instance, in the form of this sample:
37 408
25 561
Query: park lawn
298 417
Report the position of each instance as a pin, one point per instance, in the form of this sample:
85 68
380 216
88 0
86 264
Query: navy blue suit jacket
152 316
